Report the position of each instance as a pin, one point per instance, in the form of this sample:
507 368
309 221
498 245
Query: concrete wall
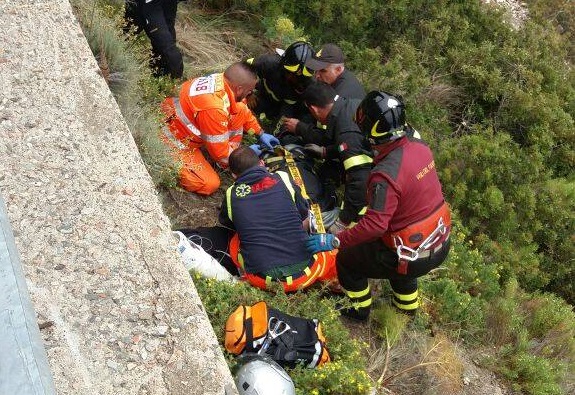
120 314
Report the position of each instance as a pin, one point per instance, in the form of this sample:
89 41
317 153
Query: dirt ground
190 210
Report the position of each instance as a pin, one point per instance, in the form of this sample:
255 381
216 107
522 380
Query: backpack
298 341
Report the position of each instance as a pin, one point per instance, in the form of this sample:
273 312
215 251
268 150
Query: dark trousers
374 260
158 18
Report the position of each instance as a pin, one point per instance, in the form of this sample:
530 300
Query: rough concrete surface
119 313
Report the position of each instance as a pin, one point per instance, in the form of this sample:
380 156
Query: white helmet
262 376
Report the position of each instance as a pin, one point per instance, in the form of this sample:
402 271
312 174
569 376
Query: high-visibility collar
231 96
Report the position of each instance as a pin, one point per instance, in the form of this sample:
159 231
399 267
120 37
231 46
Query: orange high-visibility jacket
208 108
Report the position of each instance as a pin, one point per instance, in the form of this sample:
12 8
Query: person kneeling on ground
405 232
208 114
267 212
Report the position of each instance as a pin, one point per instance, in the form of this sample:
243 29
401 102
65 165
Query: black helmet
295 56
381 117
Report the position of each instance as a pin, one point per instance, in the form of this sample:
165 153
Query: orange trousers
322 269
196 174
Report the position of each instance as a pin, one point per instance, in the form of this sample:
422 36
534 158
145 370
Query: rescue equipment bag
288 340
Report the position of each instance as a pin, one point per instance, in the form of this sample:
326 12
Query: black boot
357 314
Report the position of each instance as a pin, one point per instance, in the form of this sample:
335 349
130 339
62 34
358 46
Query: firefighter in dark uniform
157 18
329 67
347 143
405 232
282 80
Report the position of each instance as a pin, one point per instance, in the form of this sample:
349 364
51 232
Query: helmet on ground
262 376
381 117
294 58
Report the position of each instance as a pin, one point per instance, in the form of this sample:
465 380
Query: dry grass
414 364
207 46
442 93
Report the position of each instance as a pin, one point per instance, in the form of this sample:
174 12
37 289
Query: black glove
315 150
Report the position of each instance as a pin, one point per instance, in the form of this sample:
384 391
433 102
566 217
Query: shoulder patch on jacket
243 190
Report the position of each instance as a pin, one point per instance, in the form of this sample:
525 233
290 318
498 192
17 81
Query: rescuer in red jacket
405 231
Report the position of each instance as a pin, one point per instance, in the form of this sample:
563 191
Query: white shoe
195 258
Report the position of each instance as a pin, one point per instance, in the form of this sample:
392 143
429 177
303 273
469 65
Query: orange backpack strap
259 326
246 328
237 327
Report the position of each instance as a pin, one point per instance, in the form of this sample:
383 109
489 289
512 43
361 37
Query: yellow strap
229 202
356 160
289 280
294 171
285 178
316 210
296 175
358 294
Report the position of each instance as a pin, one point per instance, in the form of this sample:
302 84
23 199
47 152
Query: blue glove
268 140
256 148
319 242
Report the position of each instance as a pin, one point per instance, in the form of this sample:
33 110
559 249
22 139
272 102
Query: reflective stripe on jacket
207 108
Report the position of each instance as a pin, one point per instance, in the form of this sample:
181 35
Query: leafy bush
535 340
556 212
281 31
344 375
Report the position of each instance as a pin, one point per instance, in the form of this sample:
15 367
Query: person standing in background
157 18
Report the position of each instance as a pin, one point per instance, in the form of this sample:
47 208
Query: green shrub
344 375
534 337
281 31
491 185
389 323
556 212
458 313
